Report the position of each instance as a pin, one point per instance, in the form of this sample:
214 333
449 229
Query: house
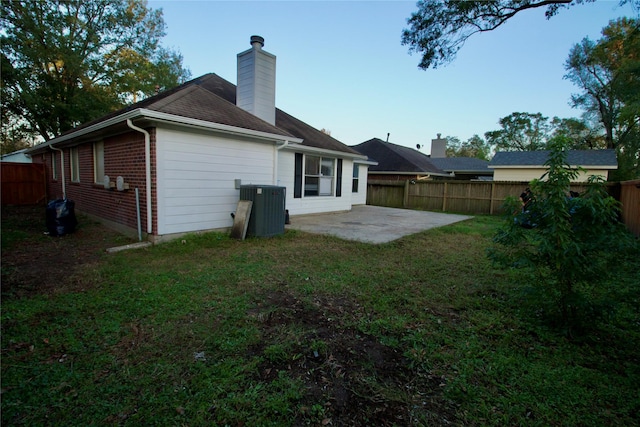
19 156
462 168
396 162
182 155
528 165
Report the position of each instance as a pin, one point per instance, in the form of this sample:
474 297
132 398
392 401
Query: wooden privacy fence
472 197
23 183
630 201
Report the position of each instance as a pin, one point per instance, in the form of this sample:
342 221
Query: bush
569 245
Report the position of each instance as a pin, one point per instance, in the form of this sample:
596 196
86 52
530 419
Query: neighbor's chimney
438 147
256 92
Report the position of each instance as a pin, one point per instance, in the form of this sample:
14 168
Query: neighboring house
529 165
464 168
186 152
19 156
396 162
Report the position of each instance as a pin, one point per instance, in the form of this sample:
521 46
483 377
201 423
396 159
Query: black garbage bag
61 217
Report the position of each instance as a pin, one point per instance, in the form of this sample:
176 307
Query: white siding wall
316 204
196 173
515 174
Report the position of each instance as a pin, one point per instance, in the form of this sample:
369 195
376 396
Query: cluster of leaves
570 244
473 147
438 29
65 63
608 73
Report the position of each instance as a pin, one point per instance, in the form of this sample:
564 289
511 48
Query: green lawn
311 330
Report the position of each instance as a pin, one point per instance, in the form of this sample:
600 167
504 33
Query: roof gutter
147 167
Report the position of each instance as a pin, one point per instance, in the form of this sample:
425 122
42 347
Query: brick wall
123 156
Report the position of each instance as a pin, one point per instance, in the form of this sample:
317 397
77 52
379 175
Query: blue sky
341 66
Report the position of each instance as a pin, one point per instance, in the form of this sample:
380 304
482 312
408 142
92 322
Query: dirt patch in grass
350 377
35 263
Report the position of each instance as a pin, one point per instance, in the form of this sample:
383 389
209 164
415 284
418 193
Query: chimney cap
257 39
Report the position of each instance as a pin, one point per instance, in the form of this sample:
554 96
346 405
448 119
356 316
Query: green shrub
567 246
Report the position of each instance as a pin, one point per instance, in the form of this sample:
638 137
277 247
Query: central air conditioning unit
267 216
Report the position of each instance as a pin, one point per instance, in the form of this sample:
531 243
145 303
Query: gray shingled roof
396 158
211 98
461 164
538 158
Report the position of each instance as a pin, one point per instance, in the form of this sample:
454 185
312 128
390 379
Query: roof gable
396 158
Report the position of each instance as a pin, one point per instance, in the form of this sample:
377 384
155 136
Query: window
356 176
318 176
74 165
54 165
98 162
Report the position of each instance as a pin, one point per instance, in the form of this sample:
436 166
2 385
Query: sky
341 65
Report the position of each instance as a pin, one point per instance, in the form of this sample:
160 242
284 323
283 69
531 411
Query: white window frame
355 183
324 175
98 162
74 164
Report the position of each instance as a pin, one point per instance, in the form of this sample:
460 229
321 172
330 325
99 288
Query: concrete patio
373 224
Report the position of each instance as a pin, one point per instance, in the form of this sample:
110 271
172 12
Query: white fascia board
516 166
409 173
203 124
89 129
366 162
315 150
606 167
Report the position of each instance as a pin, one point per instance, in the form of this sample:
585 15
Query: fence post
493 195
444 198
405 197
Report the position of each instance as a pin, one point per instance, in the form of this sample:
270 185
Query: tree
577 134
68 62
473 147
572 245
439 28
608 72
520 132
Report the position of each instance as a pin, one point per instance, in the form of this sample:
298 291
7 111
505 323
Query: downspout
64 186
275 161
147 165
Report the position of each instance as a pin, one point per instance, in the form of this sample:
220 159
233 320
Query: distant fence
472 197
630 201
23 183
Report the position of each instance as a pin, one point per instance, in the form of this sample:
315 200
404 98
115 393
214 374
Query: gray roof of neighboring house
462 164
396 158
213 99
585 158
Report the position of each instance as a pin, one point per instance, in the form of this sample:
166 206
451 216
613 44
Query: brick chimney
256 92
